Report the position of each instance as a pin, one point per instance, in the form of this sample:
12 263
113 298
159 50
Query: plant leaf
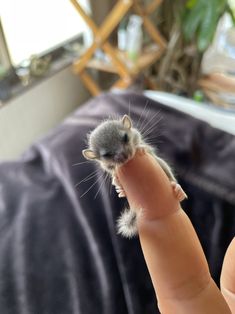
192 21
208 26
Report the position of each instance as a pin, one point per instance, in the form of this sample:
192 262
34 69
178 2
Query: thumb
228 276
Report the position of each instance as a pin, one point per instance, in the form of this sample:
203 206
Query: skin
171 248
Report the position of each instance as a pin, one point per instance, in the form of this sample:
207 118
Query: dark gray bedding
59 252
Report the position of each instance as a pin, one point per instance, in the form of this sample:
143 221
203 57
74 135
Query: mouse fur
113 143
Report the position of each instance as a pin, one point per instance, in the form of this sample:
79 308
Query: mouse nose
120 157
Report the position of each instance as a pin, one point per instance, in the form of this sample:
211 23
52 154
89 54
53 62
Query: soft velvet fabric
59 251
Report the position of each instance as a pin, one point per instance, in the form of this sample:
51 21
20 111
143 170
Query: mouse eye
125 138
107 155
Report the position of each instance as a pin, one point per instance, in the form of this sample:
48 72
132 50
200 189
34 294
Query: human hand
172 251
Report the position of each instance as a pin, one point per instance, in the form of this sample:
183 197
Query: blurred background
40 42
65 65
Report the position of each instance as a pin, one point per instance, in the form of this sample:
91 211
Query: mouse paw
141 150
178 191
118 187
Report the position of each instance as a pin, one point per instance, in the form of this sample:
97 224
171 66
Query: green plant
200 20
189 27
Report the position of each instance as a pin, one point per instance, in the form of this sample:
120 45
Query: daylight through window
33 27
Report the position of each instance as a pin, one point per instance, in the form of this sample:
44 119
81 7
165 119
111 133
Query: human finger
227 281
172 251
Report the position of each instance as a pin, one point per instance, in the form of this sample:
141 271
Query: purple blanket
59 252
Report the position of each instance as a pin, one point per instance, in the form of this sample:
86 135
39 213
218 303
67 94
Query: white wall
32 114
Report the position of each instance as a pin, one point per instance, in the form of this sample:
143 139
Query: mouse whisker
81 163
153 138
137 124
144 123
96 181
148 123
145 117
154 133
88 177
101 185
150 128
154 142
152 117
151 131
151 122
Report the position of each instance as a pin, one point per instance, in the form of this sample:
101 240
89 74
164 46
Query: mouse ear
89 154
126 121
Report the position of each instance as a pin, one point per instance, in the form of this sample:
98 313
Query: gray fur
107 138
127 223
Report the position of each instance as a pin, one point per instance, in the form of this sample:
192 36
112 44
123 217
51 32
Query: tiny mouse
113 143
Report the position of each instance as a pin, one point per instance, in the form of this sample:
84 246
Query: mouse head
113 143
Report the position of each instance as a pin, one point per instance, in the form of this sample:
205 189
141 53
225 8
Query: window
34 27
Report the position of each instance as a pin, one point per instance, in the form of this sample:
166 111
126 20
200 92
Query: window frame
5 59
11 81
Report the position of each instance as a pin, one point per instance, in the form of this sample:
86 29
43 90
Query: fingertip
147 186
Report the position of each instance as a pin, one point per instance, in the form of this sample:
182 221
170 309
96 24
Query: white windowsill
217 117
